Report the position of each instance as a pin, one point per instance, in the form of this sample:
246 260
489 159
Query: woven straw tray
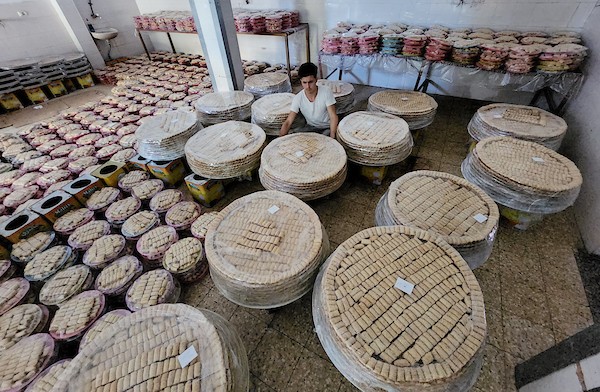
270 111
342 92
418 109
375 139
124 357
214 108
446 205
264 249
306 165
382 338
225 150
264 84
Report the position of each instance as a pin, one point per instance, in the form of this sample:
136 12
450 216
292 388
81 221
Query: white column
71 19
216 30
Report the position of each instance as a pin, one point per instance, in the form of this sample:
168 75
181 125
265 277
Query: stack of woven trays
226 150
265 249
163 137
306 165
267 83
417 109
375 139
138 361
449 206
384 336
343 93
523 175
214 108
270 112
518 121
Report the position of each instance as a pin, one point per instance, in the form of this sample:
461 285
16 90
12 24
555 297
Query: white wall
582 143
39 33
117 14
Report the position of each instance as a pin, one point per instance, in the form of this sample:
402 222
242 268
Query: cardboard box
55 205
23 225
57 88
36 95
85 81
10 102
83 187
375 174
110 172
207 192
138 162
170 172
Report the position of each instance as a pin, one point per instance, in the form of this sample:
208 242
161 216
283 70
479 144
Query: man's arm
287 124
333 120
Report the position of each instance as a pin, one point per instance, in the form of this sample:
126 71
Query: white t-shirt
315 112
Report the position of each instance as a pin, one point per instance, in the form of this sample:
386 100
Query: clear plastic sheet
267 83
143 337
214 108
271 111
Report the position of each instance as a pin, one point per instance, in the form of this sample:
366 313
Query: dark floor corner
589 268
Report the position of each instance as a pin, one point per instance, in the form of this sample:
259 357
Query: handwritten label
186 357
404 99
538 159
480 218
299 154
273 209
404 286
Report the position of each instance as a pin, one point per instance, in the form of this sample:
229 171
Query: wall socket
22 13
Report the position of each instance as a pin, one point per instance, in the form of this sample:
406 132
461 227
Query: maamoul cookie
152 288
76 315
116 278
83 237
182 215
104 250
65 284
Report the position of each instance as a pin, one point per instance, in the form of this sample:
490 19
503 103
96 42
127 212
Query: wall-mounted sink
104 34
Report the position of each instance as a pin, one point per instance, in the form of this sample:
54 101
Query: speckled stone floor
533 292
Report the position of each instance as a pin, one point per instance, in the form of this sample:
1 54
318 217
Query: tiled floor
533 292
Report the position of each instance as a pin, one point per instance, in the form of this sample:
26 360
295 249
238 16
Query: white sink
104 34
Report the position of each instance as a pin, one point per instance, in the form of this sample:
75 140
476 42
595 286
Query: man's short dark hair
307 69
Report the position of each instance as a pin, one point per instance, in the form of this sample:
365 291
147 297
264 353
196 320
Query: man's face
309 83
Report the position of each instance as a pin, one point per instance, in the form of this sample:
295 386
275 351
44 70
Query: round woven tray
21 363
138 361
119 211
381 338
131 179
446 205
72 220
76 315
417 109
102 324
225 150
163 200
14 292
375 139
163 137
343 93
200 226
306 165
66 284
523 175
270 112
518 121
47 263
145 190
46 379
20 322
83 237
265 249
152 288
139 223
218 107
267 83
182 215
115 279
104 250
24 250
103 198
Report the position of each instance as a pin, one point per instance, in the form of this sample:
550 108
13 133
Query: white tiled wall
39 33
563 380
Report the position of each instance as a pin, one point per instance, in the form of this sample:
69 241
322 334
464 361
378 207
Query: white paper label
273 209
537 159
497 116
405 286
404 99
186 357
480 218
299 153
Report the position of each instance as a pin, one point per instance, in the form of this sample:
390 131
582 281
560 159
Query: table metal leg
287 56
144 45
171 42
308 45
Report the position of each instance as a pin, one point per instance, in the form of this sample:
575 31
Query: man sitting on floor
317 104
